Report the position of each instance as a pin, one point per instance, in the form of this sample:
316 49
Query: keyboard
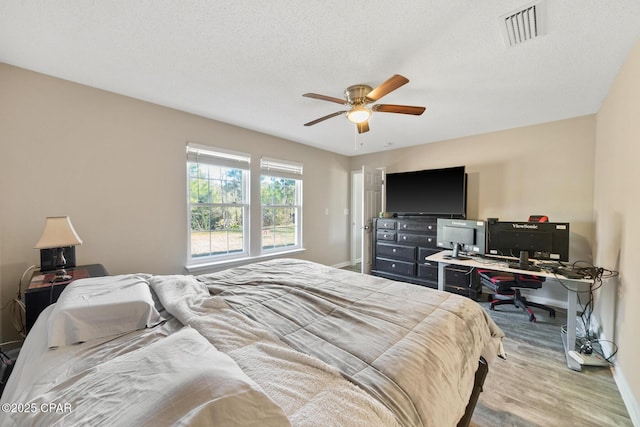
569 273
549 265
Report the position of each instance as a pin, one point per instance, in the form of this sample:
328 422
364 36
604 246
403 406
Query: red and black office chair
506 288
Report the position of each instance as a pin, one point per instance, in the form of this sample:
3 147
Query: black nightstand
41 294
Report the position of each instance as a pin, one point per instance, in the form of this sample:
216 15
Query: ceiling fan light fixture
358 98
359 114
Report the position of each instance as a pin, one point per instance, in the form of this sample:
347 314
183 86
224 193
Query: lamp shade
58 233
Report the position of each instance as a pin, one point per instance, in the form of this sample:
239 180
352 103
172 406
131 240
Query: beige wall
616 207
544 169
116 166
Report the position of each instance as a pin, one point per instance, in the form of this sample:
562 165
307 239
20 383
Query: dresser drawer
428 272
396 267
427 241
386 235
417 239
460 276
386 224
427 226
396 251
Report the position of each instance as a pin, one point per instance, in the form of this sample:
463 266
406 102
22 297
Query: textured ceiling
247 63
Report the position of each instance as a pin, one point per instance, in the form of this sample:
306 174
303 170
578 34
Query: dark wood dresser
400 248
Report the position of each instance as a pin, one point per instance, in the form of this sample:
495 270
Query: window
220 208
281 202
218 187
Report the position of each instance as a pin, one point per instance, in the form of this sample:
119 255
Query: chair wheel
492 307
532 318
552 314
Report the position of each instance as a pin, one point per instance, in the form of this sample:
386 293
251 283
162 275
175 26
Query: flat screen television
528 240
437 192
461 235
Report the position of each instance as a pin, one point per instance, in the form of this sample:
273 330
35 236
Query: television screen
427 192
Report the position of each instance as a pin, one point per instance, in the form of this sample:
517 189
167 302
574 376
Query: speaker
48 258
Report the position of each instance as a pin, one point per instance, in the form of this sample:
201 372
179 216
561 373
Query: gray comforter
414 349
277 343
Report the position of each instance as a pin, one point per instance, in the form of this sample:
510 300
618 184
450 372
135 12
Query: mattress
282 342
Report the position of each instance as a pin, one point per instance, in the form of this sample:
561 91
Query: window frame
213 156
252 204
277 168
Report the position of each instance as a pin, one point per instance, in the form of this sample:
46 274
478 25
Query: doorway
366 203
356 218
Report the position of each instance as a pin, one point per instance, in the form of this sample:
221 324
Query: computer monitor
461 235
528 240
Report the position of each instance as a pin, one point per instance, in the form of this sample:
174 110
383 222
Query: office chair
506 288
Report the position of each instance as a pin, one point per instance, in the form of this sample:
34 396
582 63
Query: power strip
592 359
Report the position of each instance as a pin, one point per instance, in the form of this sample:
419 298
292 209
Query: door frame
372 178
356 216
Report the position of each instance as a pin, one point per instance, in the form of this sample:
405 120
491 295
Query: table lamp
58 234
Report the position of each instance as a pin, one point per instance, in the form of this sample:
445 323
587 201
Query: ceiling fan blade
363 127
321 119
326 98
403 109
393 83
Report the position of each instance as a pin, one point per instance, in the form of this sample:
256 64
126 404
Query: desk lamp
58 234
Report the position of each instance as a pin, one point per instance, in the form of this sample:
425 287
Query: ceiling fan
358 97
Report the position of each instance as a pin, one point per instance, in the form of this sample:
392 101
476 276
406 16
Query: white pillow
100 307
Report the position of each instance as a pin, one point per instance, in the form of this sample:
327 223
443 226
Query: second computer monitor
460 235
529 240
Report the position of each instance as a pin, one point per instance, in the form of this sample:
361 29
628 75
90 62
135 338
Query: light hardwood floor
534 387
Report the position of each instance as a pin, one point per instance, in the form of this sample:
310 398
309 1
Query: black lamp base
48 258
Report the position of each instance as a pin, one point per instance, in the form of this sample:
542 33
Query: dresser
400 248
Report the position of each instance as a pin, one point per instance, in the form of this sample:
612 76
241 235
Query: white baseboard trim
342 264
627 396
346 263
633 408
548 301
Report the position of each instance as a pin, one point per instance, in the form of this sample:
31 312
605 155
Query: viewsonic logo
458 223
529 226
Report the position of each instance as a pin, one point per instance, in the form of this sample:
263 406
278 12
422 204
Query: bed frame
481 374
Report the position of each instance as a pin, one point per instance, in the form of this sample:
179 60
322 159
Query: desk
574 286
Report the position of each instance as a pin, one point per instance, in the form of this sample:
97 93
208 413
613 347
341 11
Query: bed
276 343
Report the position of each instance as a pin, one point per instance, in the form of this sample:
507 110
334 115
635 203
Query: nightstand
41 293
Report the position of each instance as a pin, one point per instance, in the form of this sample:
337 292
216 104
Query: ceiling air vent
523 24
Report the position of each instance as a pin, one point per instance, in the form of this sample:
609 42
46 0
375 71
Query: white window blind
281 168
203 154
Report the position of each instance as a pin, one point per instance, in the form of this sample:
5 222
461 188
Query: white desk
574 286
